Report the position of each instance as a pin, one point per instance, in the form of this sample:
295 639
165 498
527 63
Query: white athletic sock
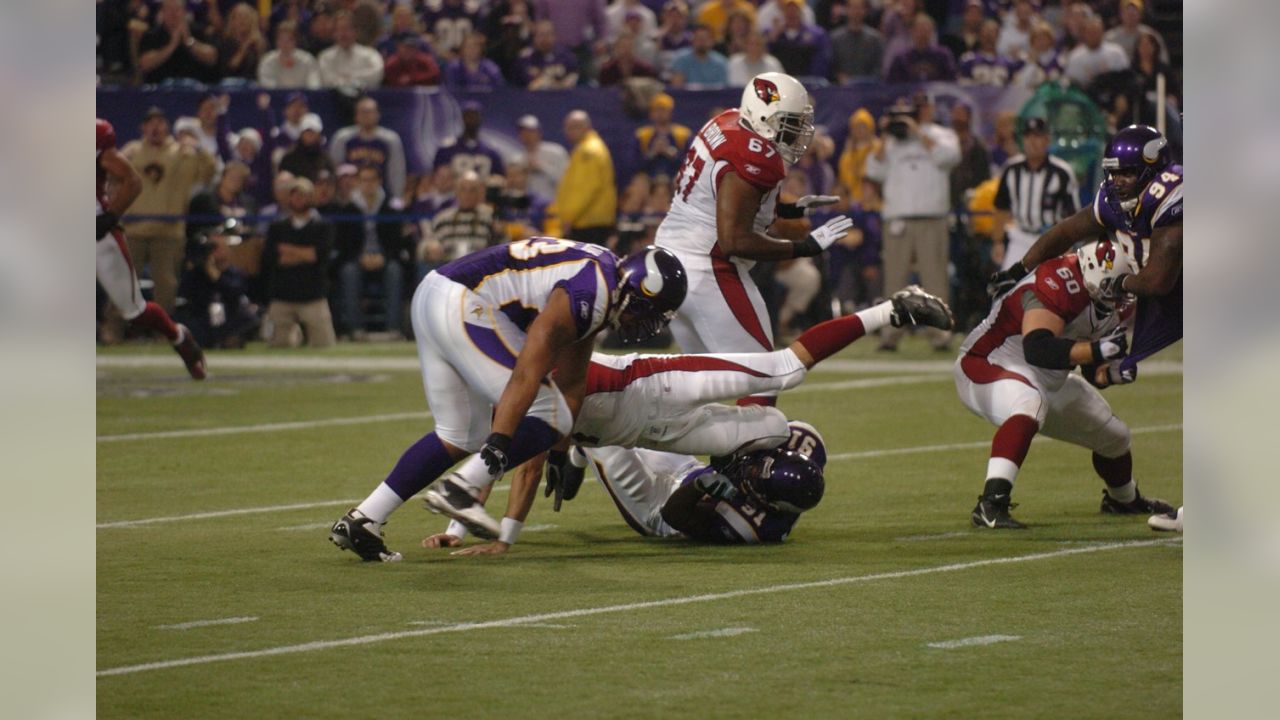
473 475
1003 468
875 317
380 504
1125 493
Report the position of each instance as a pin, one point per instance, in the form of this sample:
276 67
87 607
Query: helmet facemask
792 133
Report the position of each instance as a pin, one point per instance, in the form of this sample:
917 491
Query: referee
1036 191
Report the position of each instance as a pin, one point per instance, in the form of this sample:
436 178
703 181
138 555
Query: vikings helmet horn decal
651 285
1151 151
766 91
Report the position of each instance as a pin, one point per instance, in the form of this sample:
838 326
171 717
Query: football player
490 326
115 267
725 201
1014 370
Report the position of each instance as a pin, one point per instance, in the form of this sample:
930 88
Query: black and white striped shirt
1037 199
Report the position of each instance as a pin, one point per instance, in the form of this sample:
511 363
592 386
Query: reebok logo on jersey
1051 283
753 169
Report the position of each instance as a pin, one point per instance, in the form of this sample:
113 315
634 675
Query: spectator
1044 62
769 16
674 36
1131 27
802 48
983 65
545 66
1078 14
545 160
617 15
1094 56
965 38
241 45
434 193
1015 35
293 11
895 27
468 152
349 64
509 30
580 25
281 187
753 61
171 51
211 109
714 15
519 212
646 44
410 66
587 199
213 301
975 162
660 145
294 263
862 141
472 71
308 157
624 64
924 61
171 173
296 109
1146 67
403 26
333 202
459 230
226 200
912 164
699 66
320 30
378 258
1005 144
450 22
735 34
246 147
857 49
368 144
288 66
853 262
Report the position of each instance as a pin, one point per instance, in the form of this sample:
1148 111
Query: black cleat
913 306
993 512
191 354
362 536
451 499
1138 506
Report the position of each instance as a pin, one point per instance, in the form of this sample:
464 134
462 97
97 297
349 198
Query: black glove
1111 347
494 453
563 477
1001 281
106 221
1114 290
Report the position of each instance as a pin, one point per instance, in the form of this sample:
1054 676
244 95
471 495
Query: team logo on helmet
766 91
1106 254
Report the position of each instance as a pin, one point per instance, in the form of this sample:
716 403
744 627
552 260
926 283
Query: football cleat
913 306
191 354
362 536
1138 506
1168 522
449 498
993 512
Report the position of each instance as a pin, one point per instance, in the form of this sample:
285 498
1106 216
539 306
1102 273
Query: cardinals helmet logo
766 91
1106 253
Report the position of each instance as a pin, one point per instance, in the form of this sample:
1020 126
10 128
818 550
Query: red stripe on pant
602 378
981 371
735 294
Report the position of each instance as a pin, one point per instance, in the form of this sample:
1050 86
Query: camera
897 115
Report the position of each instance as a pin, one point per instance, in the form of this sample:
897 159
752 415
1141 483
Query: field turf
859 614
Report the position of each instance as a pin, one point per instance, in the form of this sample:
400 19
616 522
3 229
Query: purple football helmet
782 480
1135 156
806 440
651 286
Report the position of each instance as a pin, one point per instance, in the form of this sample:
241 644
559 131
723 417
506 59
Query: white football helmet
776 107
1101 263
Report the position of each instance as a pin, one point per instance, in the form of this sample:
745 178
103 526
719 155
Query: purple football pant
1158 325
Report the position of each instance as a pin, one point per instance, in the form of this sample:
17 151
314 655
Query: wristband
456 529
806 248
789 211
510 530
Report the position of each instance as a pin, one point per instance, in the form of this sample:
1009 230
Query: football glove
494 453
823 237
1000 282
563 477
1111 347
1121 377
795 210
716 485
1113 288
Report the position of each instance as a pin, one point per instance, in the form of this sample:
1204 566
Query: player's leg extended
719 430
640 481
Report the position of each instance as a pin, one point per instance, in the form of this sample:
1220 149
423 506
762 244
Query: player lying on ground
1015 370
667 402
755 498
490 327
115 267
1140 205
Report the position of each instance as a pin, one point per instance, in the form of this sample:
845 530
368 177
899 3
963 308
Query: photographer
212 300
913 164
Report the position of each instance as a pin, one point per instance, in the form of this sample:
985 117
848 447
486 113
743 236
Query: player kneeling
1015 370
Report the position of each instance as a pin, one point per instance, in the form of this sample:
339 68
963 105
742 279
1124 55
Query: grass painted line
264 427
723 632
972 445
307 526
206 623
319 645
935 536
973 641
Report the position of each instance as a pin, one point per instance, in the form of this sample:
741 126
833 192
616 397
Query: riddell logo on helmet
766 91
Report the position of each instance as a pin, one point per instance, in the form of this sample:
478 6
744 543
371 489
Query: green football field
220 596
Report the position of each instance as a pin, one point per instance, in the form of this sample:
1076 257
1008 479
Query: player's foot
191 354
1138 506
1168 522
362 536
913 306
993 512
449 498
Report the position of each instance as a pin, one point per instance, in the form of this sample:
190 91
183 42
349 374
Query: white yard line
971 445
935 536
973 641
722 632
265 427
609 609
206 623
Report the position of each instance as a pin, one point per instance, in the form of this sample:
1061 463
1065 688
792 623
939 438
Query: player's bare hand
441 540
497 547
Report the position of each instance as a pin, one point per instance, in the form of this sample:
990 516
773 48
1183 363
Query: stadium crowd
348 230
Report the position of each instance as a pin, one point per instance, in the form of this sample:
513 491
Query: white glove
1116 376
816 201
1113 346
836 228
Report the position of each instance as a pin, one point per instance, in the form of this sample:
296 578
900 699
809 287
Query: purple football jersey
469 154
1159 205
557 65
742 520
449 21
987 69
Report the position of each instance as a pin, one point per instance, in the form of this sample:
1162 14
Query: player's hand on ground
497 547
441 540
816 201
1000 282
